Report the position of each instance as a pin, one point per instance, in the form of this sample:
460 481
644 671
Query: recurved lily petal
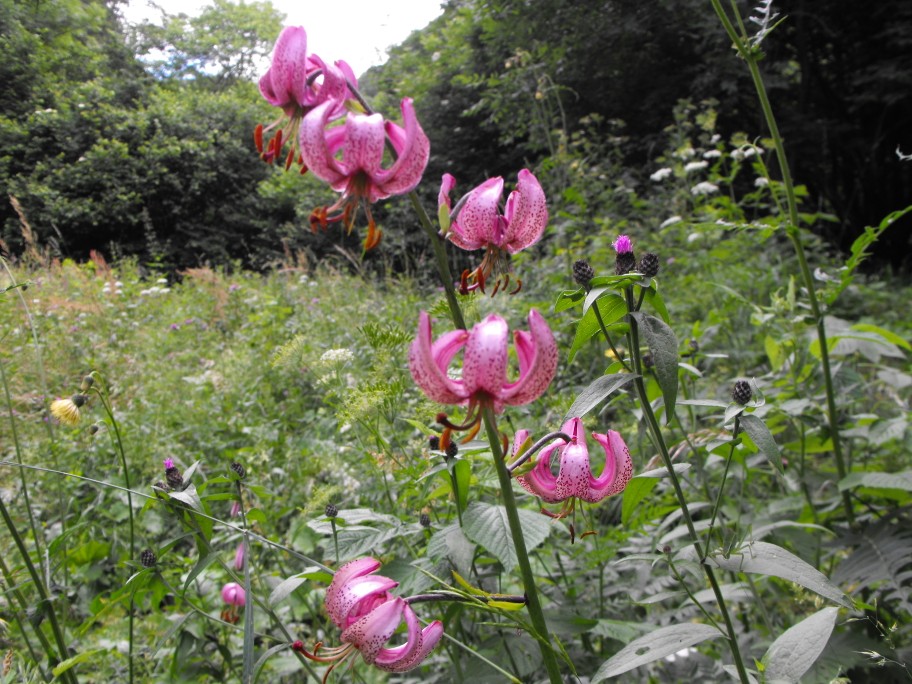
413 150
479 221
428 363
285 82
618 465
427 640
359 596
537 353
525 215
371 632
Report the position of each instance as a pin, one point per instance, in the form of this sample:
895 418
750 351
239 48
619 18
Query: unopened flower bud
238 470
87 383
425 520
298 646
331 511
434 442
742 392
173 475
624 263
452 449
147 558
666 549
649 264
583 273
93 429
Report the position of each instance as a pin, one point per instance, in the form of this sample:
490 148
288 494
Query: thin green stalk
536 613
656 432
731 454
25 490
24 606
248 613
794 234
46 602
119 447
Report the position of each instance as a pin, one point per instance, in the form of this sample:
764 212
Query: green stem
118 444
519 543
656 432
794 234
47 605
731 455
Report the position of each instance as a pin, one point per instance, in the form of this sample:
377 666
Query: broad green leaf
654 299
610 307
619 630
763 438
487 526
636 490
189 496
568 299
886 334
451 543
763 558
658 644
878 480
796 649
592 296
663 344
201 564
462 472
598 390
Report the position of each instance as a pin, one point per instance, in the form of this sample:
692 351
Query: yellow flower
67 410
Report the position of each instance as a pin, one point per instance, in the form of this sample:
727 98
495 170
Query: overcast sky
358 31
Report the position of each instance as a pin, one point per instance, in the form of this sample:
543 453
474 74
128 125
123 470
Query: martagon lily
359 603
478 223
297 82
574 479
350 158
484 366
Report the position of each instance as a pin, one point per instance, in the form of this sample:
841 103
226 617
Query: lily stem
519 543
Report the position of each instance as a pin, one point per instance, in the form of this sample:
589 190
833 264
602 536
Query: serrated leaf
663 345
761 436
610 307
658 644
797 649
596 392
487 526
763 558
452 544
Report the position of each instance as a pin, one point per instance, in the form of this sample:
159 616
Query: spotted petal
428 363
537 354
525 215
479 222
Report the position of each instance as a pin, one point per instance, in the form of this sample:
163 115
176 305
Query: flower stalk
519 543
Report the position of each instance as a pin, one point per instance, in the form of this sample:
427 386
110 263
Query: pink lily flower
574 478
360 604
479 224
298 82
233 594
239 556
484 366
359 174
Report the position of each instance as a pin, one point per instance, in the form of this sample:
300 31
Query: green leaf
421 427
636 490
761 436
568 299
796 649
886 334
598 390
663 345
256 515
285 588
189 496
487 526
878 480
75 660
462 473
592 296
654 299
451 543
611 308
658 644
763 558
201 564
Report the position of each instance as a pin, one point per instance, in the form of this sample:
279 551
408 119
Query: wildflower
761 182
173 475
712 154
671 220
67 410
624 261
239 557
574 479
298 82
695 166
234 597
484 368
660 175
359 174
359 603
477 222
334 357
704 188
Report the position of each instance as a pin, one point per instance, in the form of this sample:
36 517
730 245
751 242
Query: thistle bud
451 450
147 558
87 383
93 429
434 442
583 273
238 470
173 475
331 511
742 392
425 520
649 264
625 261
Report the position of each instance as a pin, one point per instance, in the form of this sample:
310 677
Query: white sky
358 31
